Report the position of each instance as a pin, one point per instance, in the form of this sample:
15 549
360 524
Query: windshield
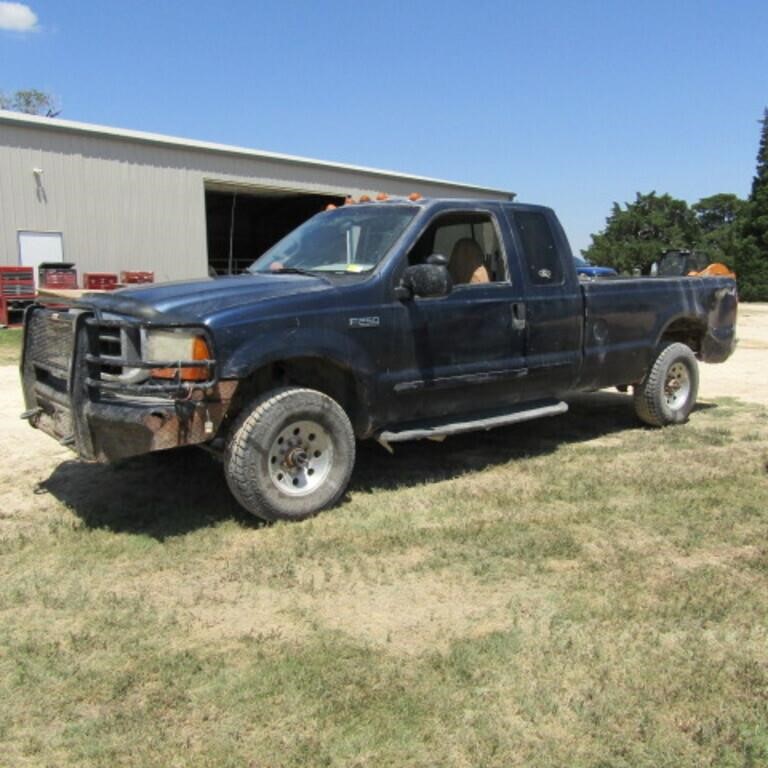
581 262
348 240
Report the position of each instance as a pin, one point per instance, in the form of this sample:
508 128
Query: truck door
554 300
463 352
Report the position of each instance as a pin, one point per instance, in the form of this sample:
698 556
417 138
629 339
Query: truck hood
198 300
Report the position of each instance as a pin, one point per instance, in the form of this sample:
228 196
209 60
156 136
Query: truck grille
113 346
49 345
50 340
108 354
109 344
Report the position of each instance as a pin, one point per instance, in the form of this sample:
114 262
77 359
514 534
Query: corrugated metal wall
129 204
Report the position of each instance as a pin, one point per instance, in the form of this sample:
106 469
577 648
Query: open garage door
244 224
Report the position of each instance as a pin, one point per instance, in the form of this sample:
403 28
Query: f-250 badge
364 322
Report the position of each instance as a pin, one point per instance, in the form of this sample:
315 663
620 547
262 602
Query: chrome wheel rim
677 387
300 458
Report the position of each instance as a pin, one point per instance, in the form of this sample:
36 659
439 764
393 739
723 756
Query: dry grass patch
581 592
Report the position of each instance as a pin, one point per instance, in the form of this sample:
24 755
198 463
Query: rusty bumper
117 428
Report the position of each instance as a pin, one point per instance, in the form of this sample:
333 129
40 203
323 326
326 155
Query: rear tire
290 454
668 392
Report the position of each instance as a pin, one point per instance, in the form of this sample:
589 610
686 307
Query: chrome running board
435 430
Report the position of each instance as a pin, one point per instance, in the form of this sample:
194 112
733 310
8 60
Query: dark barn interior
243 225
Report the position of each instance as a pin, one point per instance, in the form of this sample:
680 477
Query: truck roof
420 201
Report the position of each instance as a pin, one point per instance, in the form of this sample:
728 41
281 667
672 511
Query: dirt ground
28 457
745 374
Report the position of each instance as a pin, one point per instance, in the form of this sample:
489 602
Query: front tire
668 392
290 454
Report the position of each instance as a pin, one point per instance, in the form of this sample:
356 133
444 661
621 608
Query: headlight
173 349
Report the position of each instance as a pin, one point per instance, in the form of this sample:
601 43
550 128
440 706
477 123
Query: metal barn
112 200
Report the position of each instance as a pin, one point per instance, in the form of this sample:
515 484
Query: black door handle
518 316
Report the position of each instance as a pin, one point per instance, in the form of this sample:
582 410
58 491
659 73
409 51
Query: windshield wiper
290 271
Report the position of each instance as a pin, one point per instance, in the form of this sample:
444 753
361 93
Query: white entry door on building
36 248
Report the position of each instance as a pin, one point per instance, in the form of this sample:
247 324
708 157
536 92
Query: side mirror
429 281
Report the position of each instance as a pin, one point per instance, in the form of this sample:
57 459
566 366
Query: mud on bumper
102 424
108 431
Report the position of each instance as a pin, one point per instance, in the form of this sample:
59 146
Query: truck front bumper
116 429
101 423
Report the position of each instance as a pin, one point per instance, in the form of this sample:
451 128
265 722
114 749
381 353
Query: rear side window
539 250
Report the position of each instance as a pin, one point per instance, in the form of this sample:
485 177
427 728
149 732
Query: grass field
579 592
10 344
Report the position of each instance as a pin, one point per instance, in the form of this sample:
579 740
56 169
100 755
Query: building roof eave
56 124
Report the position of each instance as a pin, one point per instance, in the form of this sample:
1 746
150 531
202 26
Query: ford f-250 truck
392 320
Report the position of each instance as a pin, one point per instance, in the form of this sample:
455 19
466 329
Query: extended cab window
469 242
540 255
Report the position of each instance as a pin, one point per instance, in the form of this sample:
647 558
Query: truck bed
626 317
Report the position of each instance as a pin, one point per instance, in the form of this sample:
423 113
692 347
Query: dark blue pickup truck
393 320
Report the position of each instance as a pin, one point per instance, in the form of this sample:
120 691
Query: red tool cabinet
17 291
130 278
99 281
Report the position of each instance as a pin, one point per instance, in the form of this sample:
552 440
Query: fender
713 314
269 345
697 319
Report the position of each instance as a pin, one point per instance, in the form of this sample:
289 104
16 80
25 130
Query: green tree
752 260
31 102
636 235
721 218
718 211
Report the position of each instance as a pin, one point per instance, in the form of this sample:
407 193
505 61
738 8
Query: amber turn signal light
200 351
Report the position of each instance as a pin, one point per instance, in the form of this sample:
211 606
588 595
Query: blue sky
572 105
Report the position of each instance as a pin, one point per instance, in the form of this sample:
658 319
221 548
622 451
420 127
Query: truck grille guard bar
98 361
153 386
